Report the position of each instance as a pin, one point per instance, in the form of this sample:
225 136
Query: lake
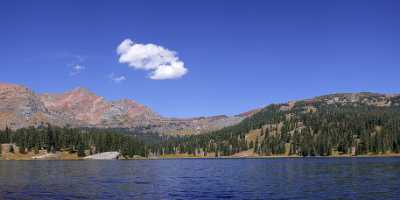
281 178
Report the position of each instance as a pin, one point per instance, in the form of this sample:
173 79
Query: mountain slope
92 110
337 124
21 107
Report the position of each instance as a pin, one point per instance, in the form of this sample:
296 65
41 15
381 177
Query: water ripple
347 178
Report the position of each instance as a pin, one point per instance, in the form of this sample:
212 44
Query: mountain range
21 107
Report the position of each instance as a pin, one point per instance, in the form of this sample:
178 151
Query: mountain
21 107
336 124
342 124
92 110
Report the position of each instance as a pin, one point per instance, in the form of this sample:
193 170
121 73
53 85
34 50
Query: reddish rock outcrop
20 107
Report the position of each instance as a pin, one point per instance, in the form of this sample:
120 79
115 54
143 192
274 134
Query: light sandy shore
103 156
45 156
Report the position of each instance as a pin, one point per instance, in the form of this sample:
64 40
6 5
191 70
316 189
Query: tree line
74 140
344 129
324 130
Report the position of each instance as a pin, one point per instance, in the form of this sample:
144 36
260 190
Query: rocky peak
80 94
21 107
80 91
80 103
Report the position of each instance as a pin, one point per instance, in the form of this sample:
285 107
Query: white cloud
117 79
76 69
161 62
79 67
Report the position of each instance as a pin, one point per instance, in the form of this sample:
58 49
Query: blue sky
239 55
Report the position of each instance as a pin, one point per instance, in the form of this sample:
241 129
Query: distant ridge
21 107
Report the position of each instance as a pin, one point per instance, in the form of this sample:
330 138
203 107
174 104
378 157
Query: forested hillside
351 124
80 141
354 124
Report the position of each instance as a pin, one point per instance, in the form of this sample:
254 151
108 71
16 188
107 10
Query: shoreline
221 157
268 157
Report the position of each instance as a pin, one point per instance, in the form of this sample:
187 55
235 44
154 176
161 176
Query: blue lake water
304 178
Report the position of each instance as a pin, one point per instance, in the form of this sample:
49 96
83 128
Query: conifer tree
11 148
81 150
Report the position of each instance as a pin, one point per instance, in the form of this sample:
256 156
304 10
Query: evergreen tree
11 148
22 148
81 150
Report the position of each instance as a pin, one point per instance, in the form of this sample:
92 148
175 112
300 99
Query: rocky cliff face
20 107
92 110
